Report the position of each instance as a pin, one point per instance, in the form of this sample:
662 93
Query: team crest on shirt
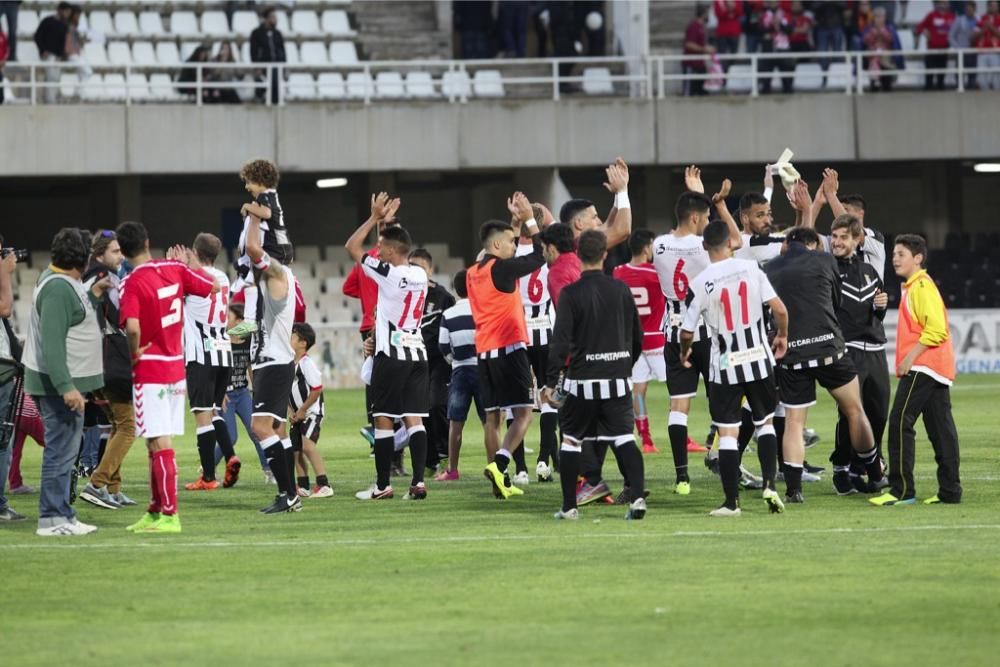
403 283
660 249
709 287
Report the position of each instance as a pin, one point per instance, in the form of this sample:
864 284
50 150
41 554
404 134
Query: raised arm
618 227
802 203
831 183
719 199
381 208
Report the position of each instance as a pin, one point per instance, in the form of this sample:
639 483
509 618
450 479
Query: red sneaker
202 485
232 472
648 447
447 476
694 447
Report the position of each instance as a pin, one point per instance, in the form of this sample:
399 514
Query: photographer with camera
10 372
63 360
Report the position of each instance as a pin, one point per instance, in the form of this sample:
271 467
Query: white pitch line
490 538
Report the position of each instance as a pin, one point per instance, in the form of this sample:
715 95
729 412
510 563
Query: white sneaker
374 493
543 472
725 511
269 477
520 479
69 528
571 515
808 477
322 492
637 510
303 493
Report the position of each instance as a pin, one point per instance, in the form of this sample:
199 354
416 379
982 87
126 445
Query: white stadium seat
167 53
343 53
291 53
456 84
838 76
305 22
738 79
335 23
161 87
184 24
245 22
808 76
313 53
331 86
283 24
138 86
68 85
188 48
143 53
95 54
27 23
93 88
488 83
126 23
359 85
420 84
151 23
100 21
597 81
119 53
114 86
214 23
389 85
306 253
245 51
301 86
27 52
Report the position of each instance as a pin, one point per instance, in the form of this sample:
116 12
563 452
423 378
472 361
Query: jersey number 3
173 315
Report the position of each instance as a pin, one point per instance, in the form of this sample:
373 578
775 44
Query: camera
19 255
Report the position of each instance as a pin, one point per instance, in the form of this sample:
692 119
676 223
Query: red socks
642 425
163 481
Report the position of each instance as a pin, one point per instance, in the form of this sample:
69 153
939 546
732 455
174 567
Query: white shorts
159 409
650 366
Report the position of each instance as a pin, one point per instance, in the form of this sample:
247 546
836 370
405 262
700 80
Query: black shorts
597 419
308 429
272 387
538 358
505 380
725 402
399 388
206 386
798 386
682 382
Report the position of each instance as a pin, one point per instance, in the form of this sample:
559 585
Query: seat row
810 76
211 23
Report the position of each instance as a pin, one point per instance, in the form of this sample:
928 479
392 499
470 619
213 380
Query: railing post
754 87
128 89
859 73
369 84
281 85
33 80
197 84
555 80
961 70
661 88
849 79
463 97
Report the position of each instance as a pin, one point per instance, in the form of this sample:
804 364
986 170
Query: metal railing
458 81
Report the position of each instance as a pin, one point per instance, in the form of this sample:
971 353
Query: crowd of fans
795 27
500 29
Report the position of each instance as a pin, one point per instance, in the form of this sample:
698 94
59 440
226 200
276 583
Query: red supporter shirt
300 304
360 286
936 24
649 301
154 294
564 271
728 13
987 41
801 29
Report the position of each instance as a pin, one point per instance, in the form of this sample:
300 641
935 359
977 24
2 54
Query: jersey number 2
641 296
727 309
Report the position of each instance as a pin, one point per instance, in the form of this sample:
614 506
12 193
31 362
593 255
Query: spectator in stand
564 31
962 35
10 10
4 52
881 37
51 38
696 44
861 18
589 20
513 20
226 75
989 38
474 23
727 32
189 75
540 17
801 39
830 19
267 45
776 29
936 25
753 11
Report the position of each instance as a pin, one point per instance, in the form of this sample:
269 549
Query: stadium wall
146 139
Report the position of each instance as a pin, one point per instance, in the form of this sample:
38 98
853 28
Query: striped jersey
205 323
307 379
276 316
400 307
649 300
241 362
678 259
457 335
730 296
761 248
538 311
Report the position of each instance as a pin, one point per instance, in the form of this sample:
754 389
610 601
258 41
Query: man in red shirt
560 254
936 25
727 32
640 276
696 44
152 313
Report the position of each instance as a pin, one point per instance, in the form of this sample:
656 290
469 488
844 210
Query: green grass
463 579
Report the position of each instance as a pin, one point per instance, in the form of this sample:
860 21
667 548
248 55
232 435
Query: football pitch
462 578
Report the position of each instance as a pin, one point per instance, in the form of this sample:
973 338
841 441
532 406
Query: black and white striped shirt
307 379
399 310
241 362
678 259
598 389
729 296
457 335
205 324
538 311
